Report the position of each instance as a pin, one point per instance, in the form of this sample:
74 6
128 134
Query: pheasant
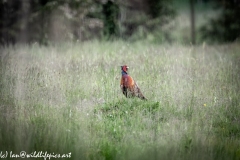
128 86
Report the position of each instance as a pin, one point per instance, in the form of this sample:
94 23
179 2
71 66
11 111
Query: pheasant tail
139 93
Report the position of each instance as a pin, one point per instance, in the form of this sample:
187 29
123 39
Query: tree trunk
193 36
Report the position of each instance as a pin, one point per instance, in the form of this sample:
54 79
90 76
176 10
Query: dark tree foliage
9 15
227 27
158 8
154 8
19 17
110 11
42 21
147 17
37 21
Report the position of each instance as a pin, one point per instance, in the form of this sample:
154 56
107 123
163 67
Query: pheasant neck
124 73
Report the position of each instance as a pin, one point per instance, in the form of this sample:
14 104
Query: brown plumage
128 86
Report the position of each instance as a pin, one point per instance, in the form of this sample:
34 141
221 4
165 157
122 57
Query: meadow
66 98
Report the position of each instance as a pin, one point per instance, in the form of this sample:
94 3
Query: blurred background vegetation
185 21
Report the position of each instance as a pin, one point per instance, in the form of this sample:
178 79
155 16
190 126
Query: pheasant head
124 69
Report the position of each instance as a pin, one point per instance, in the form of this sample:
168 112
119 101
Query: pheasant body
128 86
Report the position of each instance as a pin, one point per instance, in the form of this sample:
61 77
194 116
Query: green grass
66 98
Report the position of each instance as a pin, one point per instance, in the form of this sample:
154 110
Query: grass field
66 99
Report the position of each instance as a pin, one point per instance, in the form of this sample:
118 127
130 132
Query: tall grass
66 99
